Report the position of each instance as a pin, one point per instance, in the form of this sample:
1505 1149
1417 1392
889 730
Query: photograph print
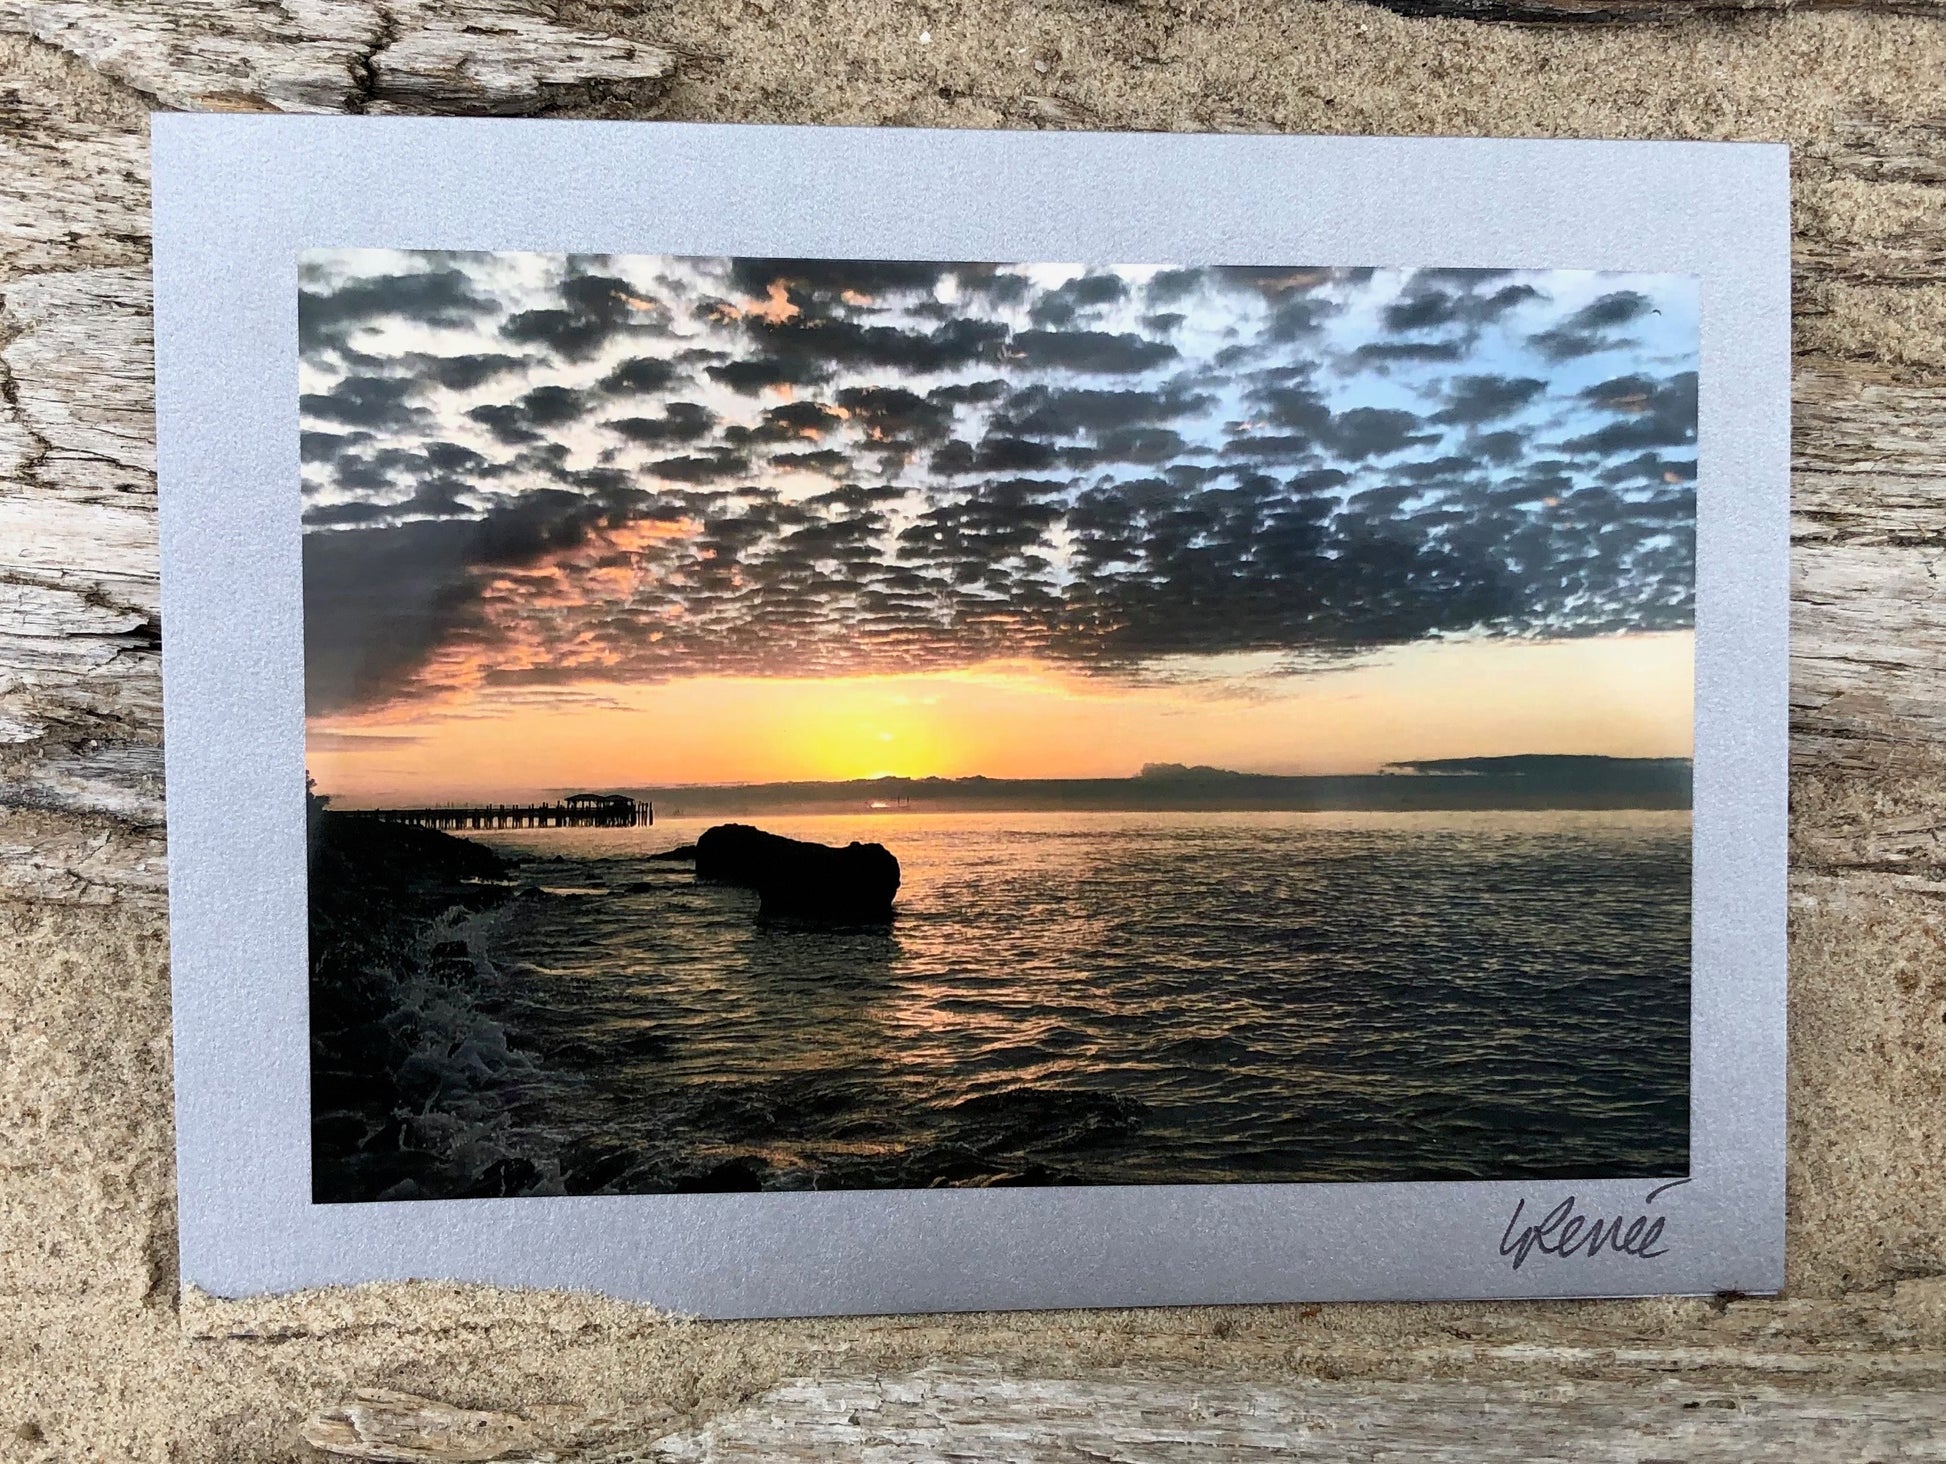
806 724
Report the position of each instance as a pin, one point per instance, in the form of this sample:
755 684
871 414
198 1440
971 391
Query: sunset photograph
796 724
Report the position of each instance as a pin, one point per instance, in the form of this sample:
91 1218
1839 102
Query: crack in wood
479 57
364 66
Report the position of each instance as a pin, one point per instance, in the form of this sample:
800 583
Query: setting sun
1619 695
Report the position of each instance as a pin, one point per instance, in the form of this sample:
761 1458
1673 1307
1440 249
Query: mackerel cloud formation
524 469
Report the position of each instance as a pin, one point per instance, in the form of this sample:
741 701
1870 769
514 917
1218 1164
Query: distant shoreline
1533 783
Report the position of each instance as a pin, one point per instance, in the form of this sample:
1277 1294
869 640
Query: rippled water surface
1107 998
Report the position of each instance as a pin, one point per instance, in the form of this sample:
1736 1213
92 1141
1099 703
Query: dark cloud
1649 414
892 413
1425 306
1318 480
1452 465
760 373
995 455
1168 286
323 447
817 345
1088 351
812 284
1591 328
705 467
824 460
506 421
378 602
641 374
1298 319
1065 411
1470 279
1059 307
680 422
1367 432
594 310
1381 354
1471 400
1617 308
1295 405
1357 434
451 457
365 401
1649 467
445 297
461 373
1276 449
993 284
793 422
551 406
327 515
1418 312
971 393
1139 445
1499 447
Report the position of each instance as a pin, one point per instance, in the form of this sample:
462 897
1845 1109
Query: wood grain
467 57
1180 1416
1868 622
1853 1369
1178 1419
404 1428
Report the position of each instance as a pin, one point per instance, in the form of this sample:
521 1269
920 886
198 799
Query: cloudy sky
612 520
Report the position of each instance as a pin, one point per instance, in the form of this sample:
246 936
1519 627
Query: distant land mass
1529 781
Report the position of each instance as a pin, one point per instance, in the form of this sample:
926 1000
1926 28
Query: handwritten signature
1565 1231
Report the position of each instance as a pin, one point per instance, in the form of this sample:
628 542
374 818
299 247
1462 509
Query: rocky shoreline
408 1065
415 1049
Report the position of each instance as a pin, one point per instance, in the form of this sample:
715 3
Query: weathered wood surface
475 57
380 1424
1169 1419
93 1357
1178 1416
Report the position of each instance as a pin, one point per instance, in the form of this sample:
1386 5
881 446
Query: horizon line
1163 774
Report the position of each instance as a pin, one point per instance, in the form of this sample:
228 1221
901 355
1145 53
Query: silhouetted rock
849 886
681 854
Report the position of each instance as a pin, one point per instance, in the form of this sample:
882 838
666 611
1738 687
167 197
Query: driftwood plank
1868 625
380 1424
72 194
969 1412
952 1413
80 670
1907 150
475 57
64 860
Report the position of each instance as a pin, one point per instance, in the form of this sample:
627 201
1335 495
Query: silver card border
235 201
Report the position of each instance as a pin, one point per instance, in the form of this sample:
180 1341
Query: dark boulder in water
681 854
802 881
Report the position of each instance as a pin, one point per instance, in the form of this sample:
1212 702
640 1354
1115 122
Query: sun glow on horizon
1628 695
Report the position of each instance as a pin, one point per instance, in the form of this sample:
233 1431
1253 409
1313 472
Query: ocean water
1096 998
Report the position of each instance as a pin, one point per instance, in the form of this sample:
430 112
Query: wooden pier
581 810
